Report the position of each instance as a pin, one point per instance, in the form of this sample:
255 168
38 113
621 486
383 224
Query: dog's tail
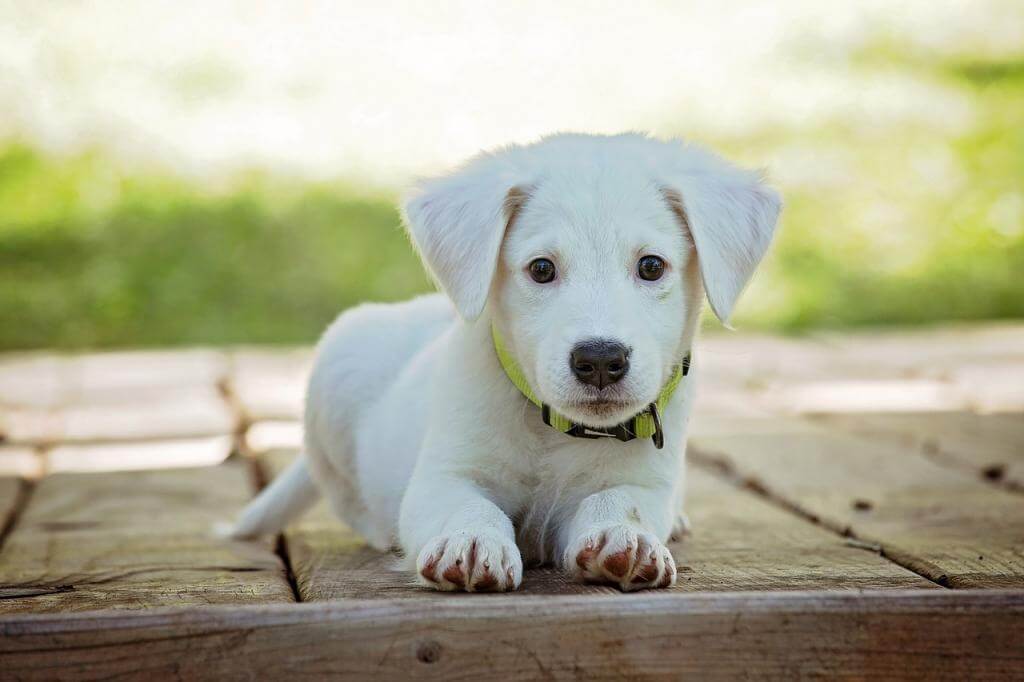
285 499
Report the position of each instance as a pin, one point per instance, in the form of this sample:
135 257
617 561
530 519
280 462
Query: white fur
415 434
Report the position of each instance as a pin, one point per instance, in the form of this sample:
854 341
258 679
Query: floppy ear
457 223
730 214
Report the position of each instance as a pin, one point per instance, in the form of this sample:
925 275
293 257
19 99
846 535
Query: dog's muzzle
645 424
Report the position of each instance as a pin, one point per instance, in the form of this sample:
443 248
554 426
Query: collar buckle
624 432
659 434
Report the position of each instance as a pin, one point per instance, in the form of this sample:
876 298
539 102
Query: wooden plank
21 460
863 395
115 376
264 436
47 380
31 379
135 540
994 387
935 352
739 542
9 491
936 521
133 456
742 542
920 634
174 413
270 384
989 446
980 368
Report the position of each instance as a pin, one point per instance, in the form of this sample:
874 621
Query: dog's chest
550 490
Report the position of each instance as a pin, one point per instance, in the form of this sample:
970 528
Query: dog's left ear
730 214
458 223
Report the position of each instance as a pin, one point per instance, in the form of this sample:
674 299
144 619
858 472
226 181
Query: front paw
470 561
623 557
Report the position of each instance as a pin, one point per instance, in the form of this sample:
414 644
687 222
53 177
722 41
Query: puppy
536 412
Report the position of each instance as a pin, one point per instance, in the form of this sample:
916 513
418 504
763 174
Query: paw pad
467 562
623 557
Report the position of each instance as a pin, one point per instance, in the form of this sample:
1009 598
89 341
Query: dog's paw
472 562
623 557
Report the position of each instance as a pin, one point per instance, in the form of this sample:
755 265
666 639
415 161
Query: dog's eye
650 268
542 270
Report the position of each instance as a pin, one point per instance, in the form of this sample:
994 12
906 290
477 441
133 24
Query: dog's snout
599 362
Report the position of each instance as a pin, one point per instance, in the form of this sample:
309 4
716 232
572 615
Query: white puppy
577 268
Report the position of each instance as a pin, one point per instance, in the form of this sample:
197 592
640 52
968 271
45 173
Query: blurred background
199 172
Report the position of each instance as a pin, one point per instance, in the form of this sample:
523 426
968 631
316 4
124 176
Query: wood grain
173 413
921 634
133 541
9 491
990 446
43 380
739 542
939 522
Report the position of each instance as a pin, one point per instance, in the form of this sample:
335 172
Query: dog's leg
461 539
614 538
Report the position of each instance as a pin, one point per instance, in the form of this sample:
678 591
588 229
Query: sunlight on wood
19 460
872 396
187 452
274 435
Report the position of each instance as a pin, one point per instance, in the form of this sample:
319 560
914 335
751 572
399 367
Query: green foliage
920 225
904 223
90 259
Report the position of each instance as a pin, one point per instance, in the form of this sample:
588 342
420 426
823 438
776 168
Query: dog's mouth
601 411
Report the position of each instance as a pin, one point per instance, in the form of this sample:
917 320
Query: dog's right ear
458 223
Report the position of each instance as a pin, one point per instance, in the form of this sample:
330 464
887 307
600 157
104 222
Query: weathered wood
31 379
270 385
742 542
997 387
10 489
21 460
977 368
988 446
739 542
174 413
936 521
920 634
265 436
128 456
135 540
928 352
42 380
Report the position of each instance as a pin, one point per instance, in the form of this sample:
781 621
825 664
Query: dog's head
592 255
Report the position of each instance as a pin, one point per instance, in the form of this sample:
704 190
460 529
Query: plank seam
260 481
241 420
281 549
719 465
932 450
25 490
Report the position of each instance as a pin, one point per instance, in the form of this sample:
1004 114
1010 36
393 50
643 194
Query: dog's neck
645 424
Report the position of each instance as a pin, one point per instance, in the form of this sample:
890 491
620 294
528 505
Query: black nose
599 362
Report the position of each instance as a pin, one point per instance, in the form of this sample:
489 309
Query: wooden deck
857 501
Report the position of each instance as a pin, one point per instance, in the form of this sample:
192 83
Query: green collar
646 424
